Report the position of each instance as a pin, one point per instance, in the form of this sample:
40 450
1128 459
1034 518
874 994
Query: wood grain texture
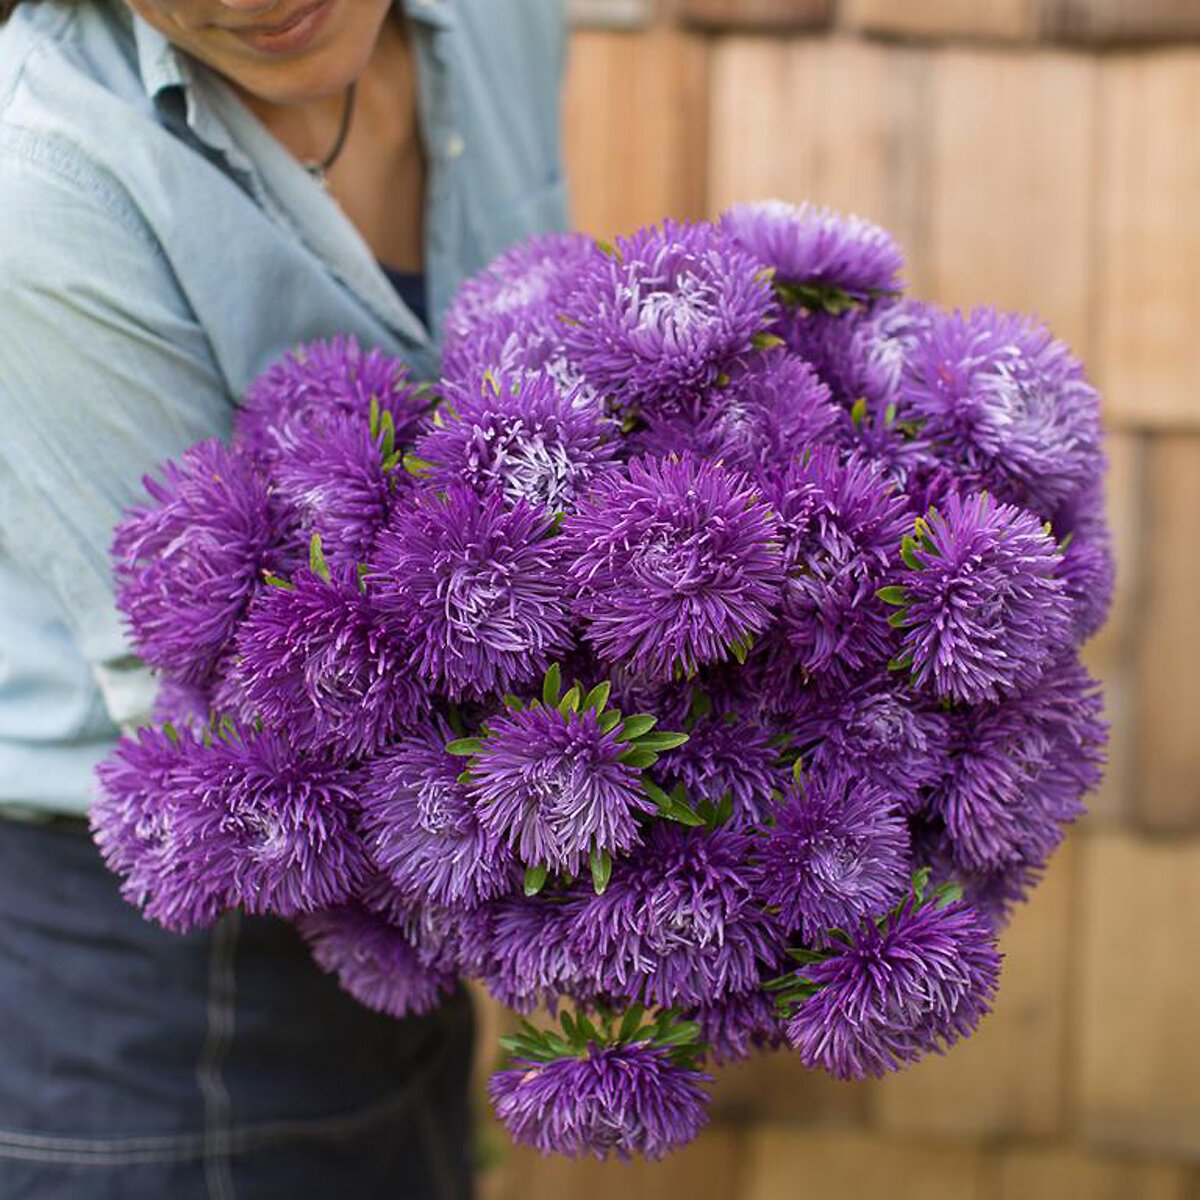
777 15
636 128
1149 240
1107 21
1007 19
1044 1174
830 120
1011 179
1139 1055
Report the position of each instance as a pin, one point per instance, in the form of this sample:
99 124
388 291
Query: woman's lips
290 36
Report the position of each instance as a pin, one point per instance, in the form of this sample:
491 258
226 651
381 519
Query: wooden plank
1139 1056
777 1088
1107 21
1052 1174
1149 239
635 128
836 121
777 15
1006 19
1007 1079
1010 210
1168 651
619 14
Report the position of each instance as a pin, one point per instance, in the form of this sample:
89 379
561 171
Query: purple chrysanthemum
520 435
767 413
915 983
421 829
838 852
734 1028
318 659
187 564
1006 406
808 245
292 399
552 784
1088 568
983 606
679 923
840 526
665 314
478 588
630 1098
672 565
375 961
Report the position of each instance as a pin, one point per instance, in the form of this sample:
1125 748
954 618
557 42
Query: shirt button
455 145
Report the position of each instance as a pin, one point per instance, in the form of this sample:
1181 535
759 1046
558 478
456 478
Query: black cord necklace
318 170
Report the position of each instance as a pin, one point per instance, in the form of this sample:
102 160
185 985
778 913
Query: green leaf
387 441
316 558
568 1025
798 771
570 702
513 703
766 341
465 747
609 720
373 417
920 882
597 698
277 581
858 412
535 879
601 870
552 686
659 742
680 1034
908 552
637 726
740 650
630 1022
416 466
899 619
638 758
901 663
893 595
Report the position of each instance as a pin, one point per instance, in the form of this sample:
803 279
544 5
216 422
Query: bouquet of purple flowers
697 659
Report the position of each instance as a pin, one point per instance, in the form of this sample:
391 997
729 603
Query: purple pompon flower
288 403
665 314
1088 568
672 565
553 786
808 245
768 412
728 755
623 1099
187 563
984 609
421 829
838 852
679 923
1006 406
477 586
841 524
520 435
735 1028
1019 769
319 661
895 991
529 960
375 961
336 482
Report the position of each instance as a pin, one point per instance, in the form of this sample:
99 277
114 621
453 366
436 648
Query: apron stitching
222 982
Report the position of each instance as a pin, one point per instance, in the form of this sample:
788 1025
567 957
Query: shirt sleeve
104 374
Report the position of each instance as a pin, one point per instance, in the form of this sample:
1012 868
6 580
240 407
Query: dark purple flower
840 527
319 661
679 923
897 990
738 1026
477 586
666 313
838 851
1088 568
375 961
628 1098
421 829
982 604
287 404
552 784
519 435
673 565
188 563
1006 406
808 245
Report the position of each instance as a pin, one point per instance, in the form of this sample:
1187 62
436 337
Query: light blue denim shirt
158 248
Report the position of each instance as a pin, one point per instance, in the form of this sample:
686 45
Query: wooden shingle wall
1042 155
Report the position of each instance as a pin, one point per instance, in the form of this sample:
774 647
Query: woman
187 189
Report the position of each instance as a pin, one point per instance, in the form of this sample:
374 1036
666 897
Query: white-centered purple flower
672 565
623 1099
897 990
518 434
665 314
980 603
553 785
808 245
838 851
477 585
